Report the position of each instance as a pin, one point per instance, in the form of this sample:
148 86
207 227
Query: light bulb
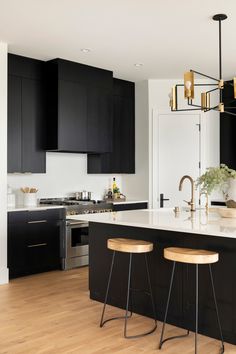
188 85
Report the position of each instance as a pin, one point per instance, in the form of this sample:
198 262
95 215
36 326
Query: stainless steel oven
76 246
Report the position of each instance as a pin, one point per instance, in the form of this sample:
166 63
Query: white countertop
198 222
128 201
34 208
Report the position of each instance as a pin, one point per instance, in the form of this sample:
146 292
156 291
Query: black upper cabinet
228 129
72 116
14 124
26 114
79 107
122 157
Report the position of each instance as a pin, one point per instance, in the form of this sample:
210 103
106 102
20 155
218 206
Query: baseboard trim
4 275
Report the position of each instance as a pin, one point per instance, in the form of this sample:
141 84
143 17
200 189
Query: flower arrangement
215 178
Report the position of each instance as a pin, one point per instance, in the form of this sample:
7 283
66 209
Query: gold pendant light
189 85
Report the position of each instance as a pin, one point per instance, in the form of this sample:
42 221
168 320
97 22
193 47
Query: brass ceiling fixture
189 85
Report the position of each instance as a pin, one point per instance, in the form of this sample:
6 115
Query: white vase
30 199
230 195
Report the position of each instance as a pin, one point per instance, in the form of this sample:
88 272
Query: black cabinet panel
25 67
14 138
122 157
72 108
129 206
34 240
26 115
182 303
33 155
99 119
228 129
80 113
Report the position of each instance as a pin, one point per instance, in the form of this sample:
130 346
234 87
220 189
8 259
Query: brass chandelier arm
186 109
231 113
190 103
201 74
215 89
198 85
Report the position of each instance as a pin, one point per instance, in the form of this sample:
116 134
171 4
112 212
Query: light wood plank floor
52 313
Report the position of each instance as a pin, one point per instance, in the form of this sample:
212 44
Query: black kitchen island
200 231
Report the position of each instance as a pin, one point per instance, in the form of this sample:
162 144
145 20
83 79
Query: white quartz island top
198 222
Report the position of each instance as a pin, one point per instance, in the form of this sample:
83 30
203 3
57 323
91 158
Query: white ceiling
167 36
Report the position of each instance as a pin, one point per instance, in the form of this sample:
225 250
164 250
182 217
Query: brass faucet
191 203
207 202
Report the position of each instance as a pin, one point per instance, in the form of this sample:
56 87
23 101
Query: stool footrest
174 337
115 318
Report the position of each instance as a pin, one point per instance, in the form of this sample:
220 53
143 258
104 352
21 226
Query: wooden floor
52 313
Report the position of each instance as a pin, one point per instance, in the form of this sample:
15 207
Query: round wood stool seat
129 245
189 255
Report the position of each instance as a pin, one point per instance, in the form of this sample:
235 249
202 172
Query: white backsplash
66 173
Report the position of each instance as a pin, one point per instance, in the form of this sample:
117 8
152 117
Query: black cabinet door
25 115
42 246
127 135
99 119
72 112
228 128
130 206
122 157
33 156
14 138
34 240
16 250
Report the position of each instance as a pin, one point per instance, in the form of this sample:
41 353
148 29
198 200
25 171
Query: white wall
66 173
3 159
136 186
150 95
158 99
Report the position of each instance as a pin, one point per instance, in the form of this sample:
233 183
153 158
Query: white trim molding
3 159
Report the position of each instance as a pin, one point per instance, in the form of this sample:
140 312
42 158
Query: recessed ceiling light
85 50
138 65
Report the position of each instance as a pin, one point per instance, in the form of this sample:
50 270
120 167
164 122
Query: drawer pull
36 221
37 245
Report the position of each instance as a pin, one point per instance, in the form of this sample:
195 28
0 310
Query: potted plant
222 178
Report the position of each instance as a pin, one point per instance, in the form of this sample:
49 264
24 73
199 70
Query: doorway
177 152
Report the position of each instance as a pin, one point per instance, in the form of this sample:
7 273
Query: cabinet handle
37 245
36 221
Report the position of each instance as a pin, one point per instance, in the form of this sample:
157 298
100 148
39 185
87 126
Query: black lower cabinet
130 206
34 241
182 305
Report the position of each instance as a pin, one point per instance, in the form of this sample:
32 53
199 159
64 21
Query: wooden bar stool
132 247
191 256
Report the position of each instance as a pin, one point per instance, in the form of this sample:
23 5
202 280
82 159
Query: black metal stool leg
151 294
166 313
167 306
128 295
196 309
217 311
107 291
106 297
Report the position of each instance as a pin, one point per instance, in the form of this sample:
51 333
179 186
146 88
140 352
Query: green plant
215 178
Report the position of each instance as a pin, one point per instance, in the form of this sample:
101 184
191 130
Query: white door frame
154 186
